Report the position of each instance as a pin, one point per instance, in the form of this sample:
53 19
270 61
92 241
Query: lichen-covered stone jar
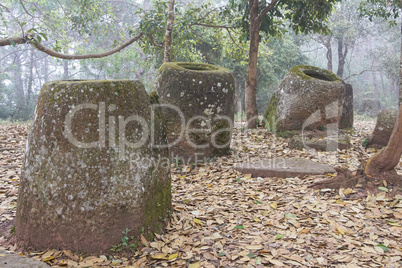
198 103
96 164
307 98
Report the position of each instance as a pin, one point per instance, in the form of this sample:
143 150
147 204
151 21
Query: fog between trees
365 53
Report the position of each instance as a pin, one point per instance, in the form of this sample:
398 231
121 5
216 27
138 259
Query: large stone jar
198 104
307 98
385 124
93 168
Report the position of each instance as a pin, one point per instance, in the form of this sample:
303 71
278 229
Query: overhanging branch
266 10
153 41
6 8
234 42
362 72
51 52
211 26
13 41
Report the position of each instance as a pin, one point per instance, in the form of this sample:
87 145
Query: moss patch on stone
192 66
270 115
308 72
153 96
157 210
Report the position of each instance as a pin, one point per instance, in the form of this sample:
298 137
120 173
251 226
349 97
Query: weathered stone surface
330 143
198 104
347 111
383 129
370 107
91 167
284 168
307 98
13 260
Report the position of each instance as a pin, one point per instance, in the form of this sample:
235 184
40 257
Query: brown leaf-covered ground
222 218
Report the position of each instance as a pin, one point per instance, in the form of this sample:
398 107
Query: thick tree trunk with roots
383 163
380 167
388 158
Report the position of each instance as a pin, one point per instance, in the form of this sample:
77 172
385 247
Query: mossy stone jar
307 98
91 169
198 103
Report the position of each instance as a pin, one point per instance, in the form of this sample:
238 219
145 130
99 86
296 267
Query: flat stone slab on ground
13 260
284 168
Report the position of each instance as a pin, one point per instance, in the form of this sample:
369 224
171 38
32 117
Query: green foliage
191 42
300 16
126 243
386 9
365 142
284 53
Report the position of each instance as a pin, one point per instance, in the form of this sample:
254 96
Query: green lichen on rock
86 172
308 72
153 96
270 114
158 210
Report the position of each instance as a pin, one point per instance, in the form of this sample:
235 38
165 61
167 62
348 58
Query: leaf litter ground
222 218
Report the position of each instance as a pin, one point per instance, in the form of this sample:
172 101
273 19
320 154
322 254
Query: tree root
366 184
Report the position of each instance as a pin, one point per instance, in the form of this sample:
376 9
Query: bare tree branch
266 10
6 8
39 46
153 41
13 41
362 72
53 53
311 50
211 26
230 35
26 11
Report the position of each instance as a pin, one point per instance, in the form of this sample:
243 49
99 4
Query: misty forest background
364 53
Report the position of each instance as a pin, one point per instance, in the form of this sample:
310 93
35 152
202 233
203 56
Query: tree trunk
238 97
375 83
45 70
384 91
168 34
250 96
342 53
388 158
19 84
65 70
329 53
30 81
